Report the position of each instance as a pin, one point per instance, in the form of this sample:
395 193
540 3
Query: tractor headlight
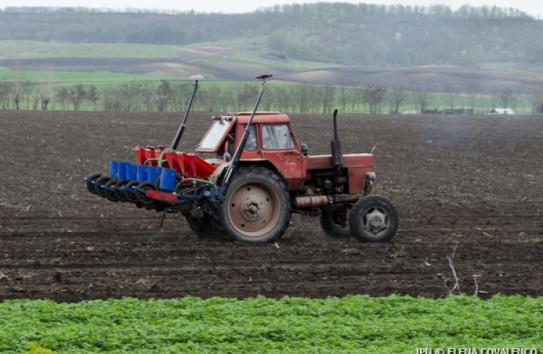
370 176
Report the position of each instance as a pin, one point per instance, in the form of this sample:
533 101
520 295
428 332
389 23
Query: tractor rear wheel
373 219
256 207
334 223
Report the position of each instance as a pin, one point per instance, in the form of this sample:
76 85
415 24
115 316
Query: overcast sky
532 7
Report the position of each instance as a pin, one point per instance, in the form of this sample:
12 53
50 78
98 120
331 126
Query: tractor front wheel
256 207
373 219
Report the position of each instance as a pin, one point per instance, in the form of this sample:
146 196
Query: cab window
251 140
276 137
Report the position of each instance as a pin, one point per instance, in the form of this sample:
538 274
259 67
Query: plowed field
466 187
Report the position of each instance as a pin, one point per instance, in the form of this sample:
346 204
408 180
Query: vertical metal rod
335 124
237 154
181 128
337 156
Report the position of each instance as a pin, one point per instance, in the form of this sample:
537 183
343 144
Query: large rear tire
373 219
256 207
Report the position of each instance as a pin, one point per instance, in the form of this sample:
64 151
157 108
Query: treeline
362 33
166 96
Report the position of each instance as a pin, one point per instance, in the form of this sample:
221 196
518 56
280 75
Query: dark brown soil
464 186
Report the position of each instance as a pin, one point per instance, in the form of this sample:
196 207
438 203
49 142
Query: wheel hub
251 212
376 221
251 208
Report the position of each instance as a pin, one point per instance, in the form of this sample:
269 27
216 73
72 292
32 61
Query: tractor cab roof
260 117
223 124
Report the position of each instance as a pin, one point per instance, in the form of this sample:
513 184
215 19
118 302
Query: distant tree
92 95
5 91
164 95
343 97
422 99
373 96
396 98
301 96
131 96
62 96
246 96
161 34
472 91
111 100
537 102
506 97
76 96
328 97
210 100
451 97
45 85
281 99
17 70
182 93
45 98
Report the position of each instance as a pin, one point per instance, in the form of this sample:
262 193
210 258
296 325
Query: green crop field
353 324
63 78
14 49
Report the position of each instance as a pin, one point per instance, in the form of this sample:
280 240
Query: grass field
62 78
352 324
12 49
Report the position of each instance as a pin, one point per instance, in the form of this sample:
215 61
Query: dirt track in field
468 186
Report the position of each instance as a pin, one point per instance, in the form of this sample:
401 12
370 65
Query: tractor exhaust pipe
237 154
181 128
337 157
313 201
318 201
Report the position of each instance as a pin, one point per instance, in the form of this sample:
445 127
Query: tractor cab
271 142
272 132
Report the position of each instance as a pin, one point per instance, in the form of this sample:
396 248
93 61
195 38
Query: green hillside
363 34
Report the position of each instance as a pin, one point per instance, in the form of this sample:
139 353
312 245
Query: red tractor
257 175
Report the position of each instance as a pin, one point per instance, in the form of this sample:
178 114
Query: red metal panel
357 165
176 161
291 164
322 162
147 156
188 165
263 117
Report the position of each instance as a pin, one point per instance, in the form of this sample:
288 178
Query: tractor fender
263 163
218 175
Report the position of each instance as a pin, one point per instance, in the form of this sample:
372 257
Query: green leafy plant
352 324
37 349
